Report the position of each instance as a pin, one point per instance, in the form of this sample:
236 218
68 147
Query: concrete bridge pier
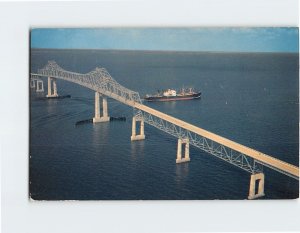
39 86
134 136
98 117
50 82
186 144
32 83
54 88
254 191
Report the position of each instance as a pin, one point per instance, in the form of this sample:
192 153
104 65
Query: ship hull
173 98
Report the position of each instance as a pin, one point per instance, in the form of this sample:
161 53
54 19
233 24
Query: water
248 98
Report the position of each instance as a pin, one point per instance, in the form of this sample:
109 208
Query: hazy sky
178 39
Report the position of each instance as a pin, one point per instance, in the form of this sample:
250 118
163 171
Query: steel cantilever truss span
98 80
236 154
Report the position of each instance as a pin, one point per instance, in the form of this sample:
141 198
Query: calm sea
249 98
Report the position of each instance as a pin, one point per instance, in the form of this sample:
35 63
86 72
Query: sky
269 39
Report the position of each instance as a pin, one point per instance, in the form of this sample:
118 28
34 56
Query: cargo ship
172 95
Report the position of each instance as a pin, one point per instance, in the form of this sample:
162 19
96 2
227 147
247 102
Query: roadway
265 159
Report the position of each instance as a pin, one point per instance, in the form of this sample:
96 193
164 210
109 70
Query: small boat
172 95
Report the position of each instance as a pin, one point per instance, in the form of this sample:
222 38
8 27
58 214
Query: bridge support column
256 192
186 157
98 117
141 136
39 86
54 88
50 81
104 108
49 87
32 83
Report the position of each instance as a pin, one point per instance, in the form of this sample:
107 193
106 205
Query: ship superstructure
172 95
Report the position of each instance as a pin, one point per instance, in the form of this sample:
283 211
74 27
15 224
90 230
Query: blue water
248 98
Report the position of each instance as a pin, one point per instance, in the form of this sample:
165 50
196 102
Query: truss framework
35 77
98 80
222 152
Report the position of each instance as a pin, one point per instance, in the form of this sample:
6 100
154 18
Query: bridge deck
263 158
266 159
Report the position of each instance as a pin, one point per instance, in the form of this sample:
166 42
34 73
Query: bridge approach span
258 156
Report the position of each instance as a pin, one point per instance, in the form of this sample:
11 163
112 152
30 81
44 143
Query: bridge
104 85
37 83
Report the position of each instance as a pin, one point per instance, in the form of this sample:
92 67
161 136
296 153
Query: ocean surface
251 98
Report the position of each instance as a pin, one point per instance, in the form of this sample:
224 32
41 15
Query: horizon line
170 51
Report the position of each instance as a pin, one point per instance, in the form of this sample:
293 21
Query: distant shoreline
162 51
